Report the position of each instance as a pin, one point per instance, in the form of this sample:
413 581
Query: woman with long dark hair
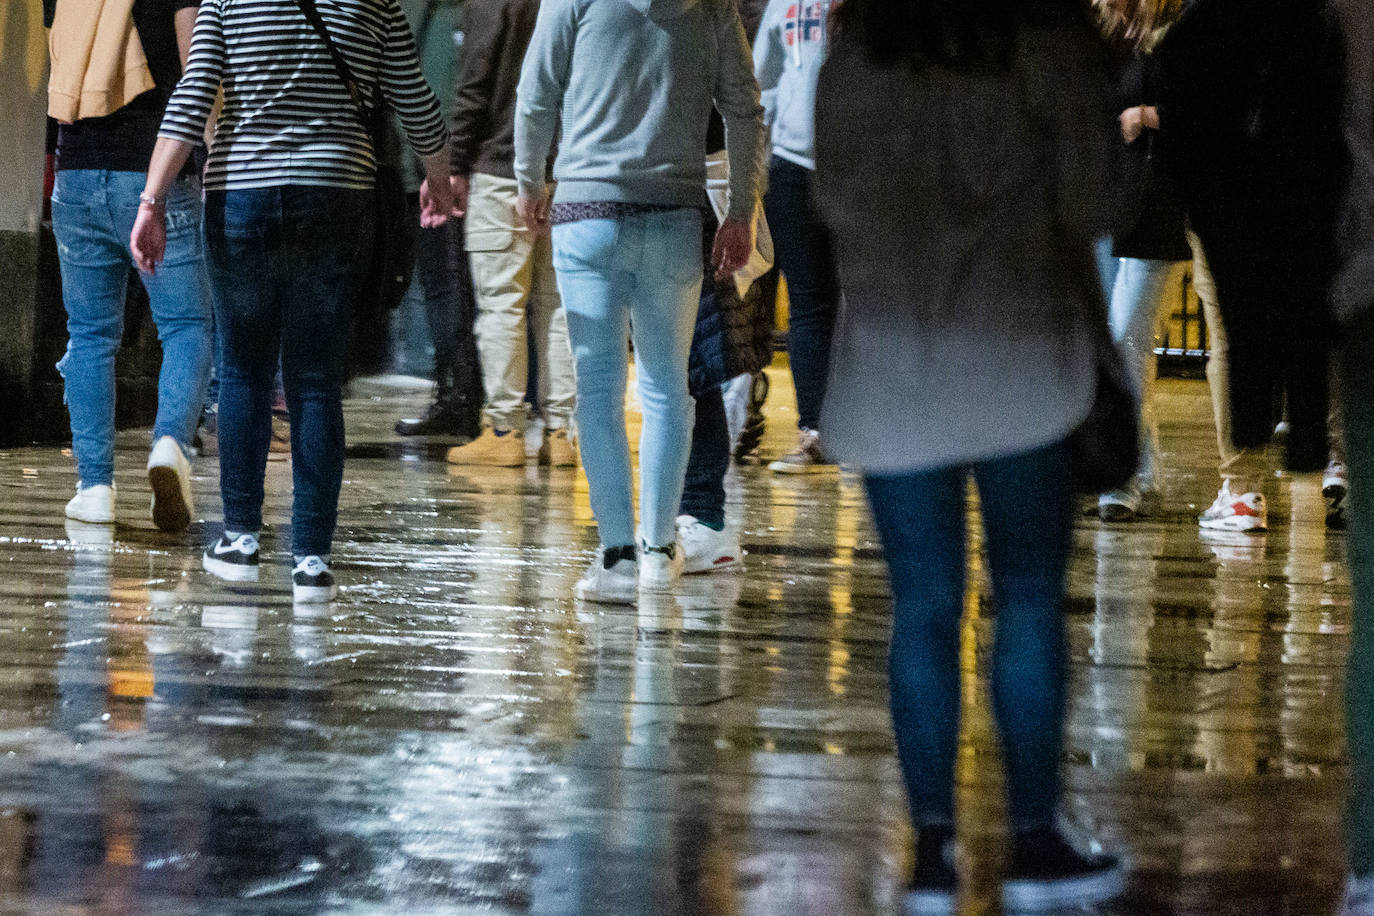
963 150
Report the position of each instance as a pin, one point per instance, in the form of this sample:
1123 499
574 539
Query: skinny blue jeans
93 214
637 277
1028 507
286 264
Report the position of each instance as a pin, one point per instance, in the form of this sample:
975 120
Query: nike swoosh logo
221 551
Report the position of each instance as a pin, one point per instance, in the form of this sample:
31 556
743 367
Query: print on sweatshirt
788 54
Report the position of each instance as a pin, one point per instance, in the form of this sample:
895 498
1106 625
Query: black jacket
1151 223
1250 118
496 34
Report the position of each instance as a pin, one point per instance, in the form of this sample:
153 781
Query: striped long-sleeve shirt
287 116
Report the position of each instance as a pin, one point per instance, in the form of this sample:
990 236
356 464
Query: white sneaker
312 582
705 549
617 585
1359 897
1335 480
659 567
1232 512
169 474
93 505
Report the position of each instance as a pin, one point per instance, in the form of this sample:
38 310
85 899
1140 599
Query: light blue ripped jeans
634 277
93 215
1133 314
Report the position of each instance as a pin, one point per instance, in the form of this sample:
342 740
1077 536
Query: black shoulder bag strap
366 113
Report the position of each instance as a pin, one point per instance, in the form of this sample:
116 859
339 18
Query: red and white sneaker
1235 512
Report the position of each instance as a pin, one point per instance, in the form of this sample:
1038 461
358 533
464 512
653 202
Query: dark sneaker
312 582
1335 511
934 887
806 458
235 560
1045 873
448 416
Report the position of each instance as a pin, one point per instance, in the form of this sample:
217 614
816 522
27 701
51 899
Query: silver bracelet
145 198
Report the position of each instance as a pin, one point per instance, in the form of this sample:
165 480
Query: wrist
152 201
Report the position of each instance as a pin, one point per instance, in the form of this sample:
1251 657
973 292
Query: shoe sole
230 572
314 594
90 519
1049 896
486 463
599 598
171 512
777 467
1243 524
929 903
731 563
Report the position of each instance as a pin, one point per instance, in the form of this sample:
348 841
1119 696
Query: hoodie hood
662 10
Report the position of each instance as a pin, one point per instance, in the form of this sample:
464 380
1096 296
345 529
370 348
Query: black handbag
1106 444
397 229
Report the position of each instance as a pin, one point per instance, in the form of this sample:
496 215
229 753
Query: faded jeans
634 277
1133 315
513 276
93 214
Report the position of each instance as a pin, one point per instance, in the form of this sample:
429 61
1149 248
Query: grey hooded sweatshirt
634 81
788 54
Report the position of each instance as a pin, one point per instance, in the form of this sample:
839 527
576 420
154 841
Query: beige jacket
98 65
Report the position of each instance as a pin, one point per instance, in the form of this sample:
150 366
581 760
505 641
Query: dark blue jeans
802 246
441 267
1027 508
1355 388
286 264
703 496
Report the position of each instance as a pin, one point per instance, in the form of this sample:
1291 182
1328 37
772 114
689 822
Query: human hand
437 203
1136 119
535 212
734 244
148 241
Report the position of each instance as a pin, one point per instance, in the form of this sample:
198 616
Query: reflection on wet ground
456 734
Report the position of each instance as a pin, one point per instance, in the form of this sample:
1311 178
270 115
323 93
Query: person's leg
500 249
920 521
549 325
1107 265
663 316
327 233
179 296
596 288
802 245
243 246
1134 315
703 493
1356 391
1027 505
95 276
1243 470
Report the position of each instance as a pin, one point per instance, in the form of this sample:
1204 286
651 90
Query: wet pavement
457 735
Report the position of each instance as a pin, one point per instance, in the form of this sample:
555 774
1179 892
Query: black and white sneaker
1045 873
312 582
934 889
235 560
